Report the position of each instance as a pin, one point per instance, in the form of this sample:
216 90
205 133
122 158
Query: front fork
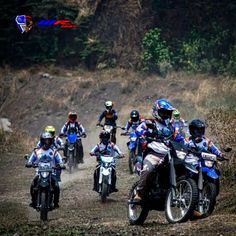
172 178
200 189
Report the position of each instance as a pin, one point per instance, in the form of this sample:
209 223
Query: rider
57 142
134 121
198 141
39 155
110 116
178 122
162 112
105 147
74 126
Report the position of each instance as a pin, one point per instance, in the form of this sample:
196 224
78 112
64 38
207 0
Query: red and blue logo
25 23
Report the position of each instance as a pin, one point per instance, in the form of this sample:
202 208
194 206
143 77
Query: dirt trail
82 213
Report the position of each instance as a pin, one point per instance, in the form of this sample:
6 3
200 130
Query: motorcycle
72 140
171 191
135 153
44 188
106 173
110 129
206 176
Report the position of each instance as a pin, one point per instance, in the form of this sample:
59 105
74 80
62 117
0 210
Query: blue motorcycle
135 153
206 175
71 151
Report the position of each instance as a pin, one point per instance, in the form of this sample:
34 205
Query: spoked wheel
131 162
209 195
137 213
181 203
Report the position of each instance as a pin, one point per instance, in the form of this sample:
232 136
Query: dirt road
81 211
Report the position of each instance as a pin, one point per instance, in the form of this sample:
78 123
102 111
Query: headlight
209 163
133 139
45 174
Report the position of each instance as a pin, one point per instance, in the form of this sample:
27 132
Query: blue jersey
40 154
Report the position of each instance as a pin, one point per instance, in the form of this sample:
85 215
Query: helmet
197 128
104 136
72 116
46 140
176 114
108 105
50 129
134 115
162 109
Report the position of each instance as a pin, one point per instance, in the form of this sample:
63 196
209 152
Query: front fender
210 172
131 145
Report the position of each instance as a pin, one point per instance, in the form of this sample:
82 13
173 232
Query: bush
156 52
206 52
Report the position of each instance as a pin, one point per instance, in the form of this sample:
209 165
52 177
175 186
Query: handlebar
208 158
78 135
114 126
58 167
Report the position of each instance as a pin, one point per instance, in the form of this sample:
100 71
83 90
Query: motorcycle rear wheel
181 209
137 213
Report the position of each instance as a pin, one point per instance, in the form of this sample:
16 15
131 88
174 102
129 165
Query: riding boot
113 185
95 181
56 196
33 197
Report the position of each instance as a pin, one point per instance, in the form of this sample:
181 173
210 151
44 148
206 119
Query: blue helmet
162 109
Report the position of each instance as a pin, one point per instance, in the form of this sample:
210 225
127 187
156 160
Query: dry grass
15 141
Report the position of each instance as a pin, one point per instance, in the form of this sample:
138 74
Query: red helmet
72 116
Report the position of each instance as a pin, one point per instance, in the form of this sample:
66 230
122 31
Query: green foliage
205 52
211 51
156 52
200 35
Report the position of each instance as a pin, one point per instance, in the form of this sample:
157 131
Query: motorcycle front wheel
131 162
180 202
209 194
104 192
71 161
137 213
43 207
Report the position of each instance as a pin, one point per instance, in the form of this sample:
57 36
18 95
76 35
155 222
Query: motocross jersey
132 124
57 143
72 127
204 144
144 130
110 117
40 154
110 149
